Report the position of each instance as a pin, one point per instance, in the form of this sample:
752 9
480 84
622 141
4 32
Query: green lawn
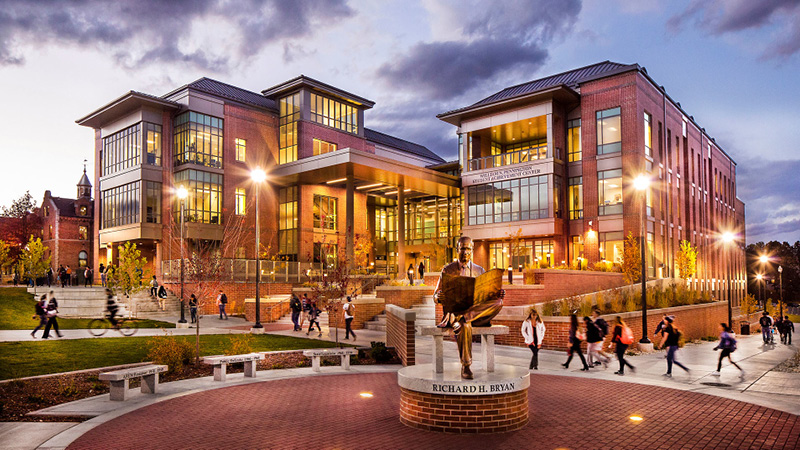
24 359
17 307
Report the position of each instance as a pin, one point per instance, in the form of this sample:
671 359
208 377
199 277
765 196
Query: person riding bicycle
111 307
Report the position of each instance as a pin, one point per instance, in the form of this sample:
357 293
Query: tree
515 247
686 260
5 257
127 276
780 254
21 221
33 259
362 246
631 259
20 207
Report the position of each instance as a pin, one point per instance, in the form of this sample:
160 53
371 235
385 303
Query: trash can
745 328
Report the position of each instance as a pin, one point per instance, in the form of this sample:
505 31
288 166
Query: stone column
550 148
349 219
401 231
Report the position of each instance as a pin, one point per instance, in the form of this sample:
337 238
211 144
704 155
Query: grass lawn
16 312
25 359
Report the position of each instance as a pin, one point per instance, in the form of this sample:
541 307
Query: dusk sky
734 65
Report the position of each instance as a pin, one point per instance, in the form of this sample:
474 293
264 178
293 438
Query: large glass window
648 134
289 115
576 249
609 136
575 198
287 223
152 202
508 201
611 246
121 205
152 138
241 149
574 140
385 236
321 147
83 258
325 212
240 197
525 253
122 149
204 203
609 189
334 113
198 140
326 254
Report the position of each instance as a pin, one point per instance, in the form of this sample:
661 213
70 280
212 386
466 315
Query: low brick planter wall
564 283
404 296
400 333
236 292
464 413
272 309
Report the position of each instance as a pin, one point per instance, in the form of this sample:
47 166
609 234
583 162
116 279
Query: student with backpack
575 338
41 314
766 327
222 300
306 304
622 338
595 341
672 338
296 307
349 315
313 318
727 343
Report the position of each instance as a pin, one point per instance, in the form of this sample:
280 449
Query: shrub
585 308
240 344
69 390
662 301
616 302
550 308
169 350
632 303
379 352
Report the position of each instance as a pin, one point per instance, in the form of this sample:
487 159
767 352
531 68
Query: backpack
224 299
626 337
681 341
39 309
351 310
603 326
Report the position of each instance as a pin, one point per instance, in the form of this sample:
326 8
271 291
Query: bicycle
99 327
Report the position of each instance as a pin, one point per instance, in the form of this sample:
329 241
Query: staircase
141 303
287 320
76 301
426 312
378 323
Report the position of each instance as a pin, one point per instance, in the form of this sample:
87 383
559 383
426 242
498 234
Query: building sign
506 173
494 388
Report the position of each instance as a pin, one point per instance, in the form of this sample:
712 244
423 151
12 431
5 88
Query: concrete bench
220 364
487 335
119 380
343 353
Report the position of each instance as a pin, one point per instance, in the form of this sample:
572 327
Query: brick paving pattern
328 413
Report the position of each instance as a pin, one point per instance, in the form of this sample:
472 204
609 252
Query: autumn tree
515 246
128 275
34 260
5 257
22 222
686 260
631 260
362 246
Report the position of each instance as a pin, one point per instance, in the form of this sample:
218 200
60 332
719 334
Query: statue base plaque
492 402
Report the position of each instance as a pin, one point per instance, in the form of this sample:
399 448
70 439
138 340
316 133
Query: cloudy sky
733 65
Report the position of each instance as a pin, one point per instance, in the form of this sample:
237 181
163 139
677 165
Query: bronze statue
477 314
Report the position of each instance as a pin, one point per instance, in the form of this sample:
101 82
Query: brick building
67 228
549 169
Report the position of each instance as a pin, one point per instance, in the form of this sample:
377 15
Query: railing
515 157
244 270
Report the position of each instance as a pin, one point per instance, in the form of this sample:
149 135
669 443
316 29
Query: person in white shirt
349 315
533 333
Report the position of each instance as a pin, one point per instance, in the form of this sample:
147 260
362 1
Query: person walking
40 313
222 300
727 343
766 327
779 327
789 327
153 287
622 337
575 338
349 315
422 270
410 273
313 318
68 272
87 277
162 298
533 333
49 276
672 338
193 307
102 271
602 326
306 304
52 317
594 342
296 307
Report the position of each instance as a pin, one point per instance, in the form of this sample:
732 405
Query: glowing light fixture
182 193
370 186
759 277
365 395
641 182
636 418
727 237
338 180
763 259
258 175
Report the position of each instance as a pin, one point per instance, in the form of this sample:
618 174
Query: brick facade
236 293
404 296
401 334
366 310
66 232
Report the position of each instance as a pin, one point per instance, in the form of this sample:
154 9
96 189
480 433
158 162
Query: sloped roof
400 144
66 206
85 181
224 90
571 78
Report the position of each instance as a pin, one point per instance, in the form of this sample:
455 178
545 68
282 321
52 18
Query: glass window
325 212
122 150
120 205
240 202
334 113
287 223
83 233
152 202
609 136
574 140
198 140
576 249
204 203
609 188
152 139
241 149
83 210
648 134
325 253
321 147
83 258
611 246
508 201
575 198
289 107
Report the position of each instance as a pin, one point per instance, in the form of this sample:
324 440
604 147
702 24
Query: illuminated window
287 223
321 147
289 115
83 210
648 134
576 248
83 258
152 202
325 212
198 140
575 198
325 253
83 233
334 113
609 136
122 149
508 201
609 189
204 203
121 205
574 140
241 147
240 202
611 246
153 144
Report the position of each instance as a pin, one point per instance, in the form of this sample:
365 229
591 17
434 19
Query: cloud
719 17
168 31
497 38
769 190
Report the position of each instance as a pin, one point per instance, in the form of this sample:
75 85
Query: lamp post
182 193
763 259
780 284
258 176
760 281
727 239
642 183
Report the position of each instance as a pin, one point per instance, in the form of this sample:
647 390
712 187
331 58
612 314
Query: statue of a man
478 315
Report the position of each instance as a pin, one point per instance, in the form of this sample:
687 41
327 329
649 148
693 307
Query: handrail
515 157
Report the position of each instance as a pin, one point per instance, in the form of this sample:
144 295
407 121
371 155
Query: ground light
636 418
365 395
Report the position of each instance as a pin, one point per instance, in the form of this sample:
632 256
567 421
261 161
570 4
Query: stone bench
119 380
220 364
487 335
343 353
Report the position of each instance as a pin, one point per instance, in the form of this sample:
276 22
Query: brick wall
463 413
236 293
564 283
400 333
271 309
366 309
403 296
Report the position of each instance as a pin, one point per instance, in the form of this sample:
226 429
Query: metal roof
400 144
227 91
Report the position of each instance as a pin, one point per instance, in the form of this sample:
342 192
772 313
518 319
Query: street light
182 193
258 176
727 239
780 281
764 259
760 281
642 183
